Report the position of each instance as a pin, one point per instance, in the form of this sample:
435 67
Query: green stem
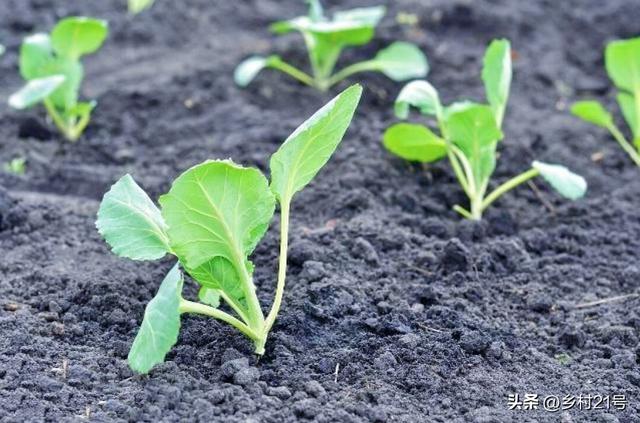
277 63
509 185
79 128
626 146
369 65
187 306
235 306
463 212
255 317
60 123
282 265
455 164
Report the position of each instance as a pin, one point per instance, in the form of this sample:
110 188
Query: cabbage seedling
50 63
211 219
17 165
325 38
469 136
622 61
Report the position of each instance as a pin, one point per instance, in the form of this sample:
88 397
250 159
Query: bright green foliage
592 112
130 222
17 166
160 325
414 142
622 61
326 38
496 75
301 156
469 136
137 6
211 220
50 63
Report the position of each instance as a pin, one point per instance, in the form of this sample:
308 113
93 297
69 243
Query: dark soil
396 309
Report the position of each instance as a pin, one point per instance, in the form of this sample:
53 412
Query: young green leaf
131 224
160 325
209 296
622 60
76 36
475 131
565 182
421 95
35 91
308 149
137 6
592 112
65 97
217 209
627 104
496 75
401 61
248 69
220 275
414 142
35 52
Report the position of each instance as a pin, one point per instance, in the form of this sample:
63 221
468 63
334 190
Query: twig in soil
419 269
543 200
606 300
63 369
425 327
335 374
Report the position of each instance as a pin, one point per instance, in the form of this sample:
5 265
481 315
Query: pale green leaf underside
137 6
35 91
565 182
160 325
217 209
592 112
419 94
401 61
414 142
309 147
209 296
248 69
130 223
496 75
